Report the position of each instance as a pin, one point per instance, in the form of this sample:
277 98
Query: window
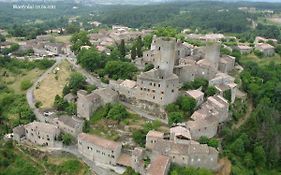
153 97
162 92
159 48
141 89
158 85
172 90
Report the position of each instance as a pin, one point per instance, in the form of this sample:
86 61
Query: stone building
181 150
160 85
18 133
70 125
87 104
38 133
126 88
153 56
244 49
152 137
226 64
223 82
157 87
159 165
196 95
98 149
266 49
206 120
55 48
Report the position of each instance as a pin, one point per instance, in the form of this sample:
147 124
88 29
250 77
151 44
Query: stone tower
167 48
212 52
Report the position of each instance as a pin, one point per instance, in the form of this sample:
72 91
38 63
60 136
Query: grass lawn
53 85
14 80
63 38
262 61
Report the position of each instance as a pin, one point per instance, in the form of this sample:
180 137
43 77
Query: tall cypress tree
133 52
139 47
122 48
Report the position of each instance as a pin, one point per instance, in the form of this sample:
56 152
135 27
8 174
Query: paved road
90 78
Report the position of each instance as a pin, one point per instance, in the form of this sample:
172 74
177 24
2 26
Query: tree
78 40
2 38
203 140
139 46
258 53
133 52
77 81
118 112
148 67
122 48
187 104
175 117
211 91
120 70
86 126
72 28
91 59
67 139
278 49
260 156
60 104
147 40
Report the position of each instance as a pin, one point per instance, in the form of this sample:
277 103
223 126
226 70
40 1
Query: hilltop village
174 64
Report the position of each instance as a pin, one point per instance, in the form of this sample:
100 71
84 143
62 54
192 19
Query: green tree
175 117
260 156
118 112
78 40
211 91
2 38
77 81
67 139
147 40
139 45
187 104
86 126
148 67
72 28
122 48
133 52
91 59
120 70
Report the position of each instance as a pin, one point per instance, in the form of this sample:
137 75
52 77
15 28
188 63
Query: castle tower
167 48
212 52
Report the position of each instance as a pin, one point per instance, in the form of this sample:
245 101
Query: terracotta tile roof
101 142
125 160
153 133
159 165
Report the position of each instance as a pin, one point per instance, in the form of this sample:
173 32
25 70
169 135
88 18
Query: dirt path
226 166
246 116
